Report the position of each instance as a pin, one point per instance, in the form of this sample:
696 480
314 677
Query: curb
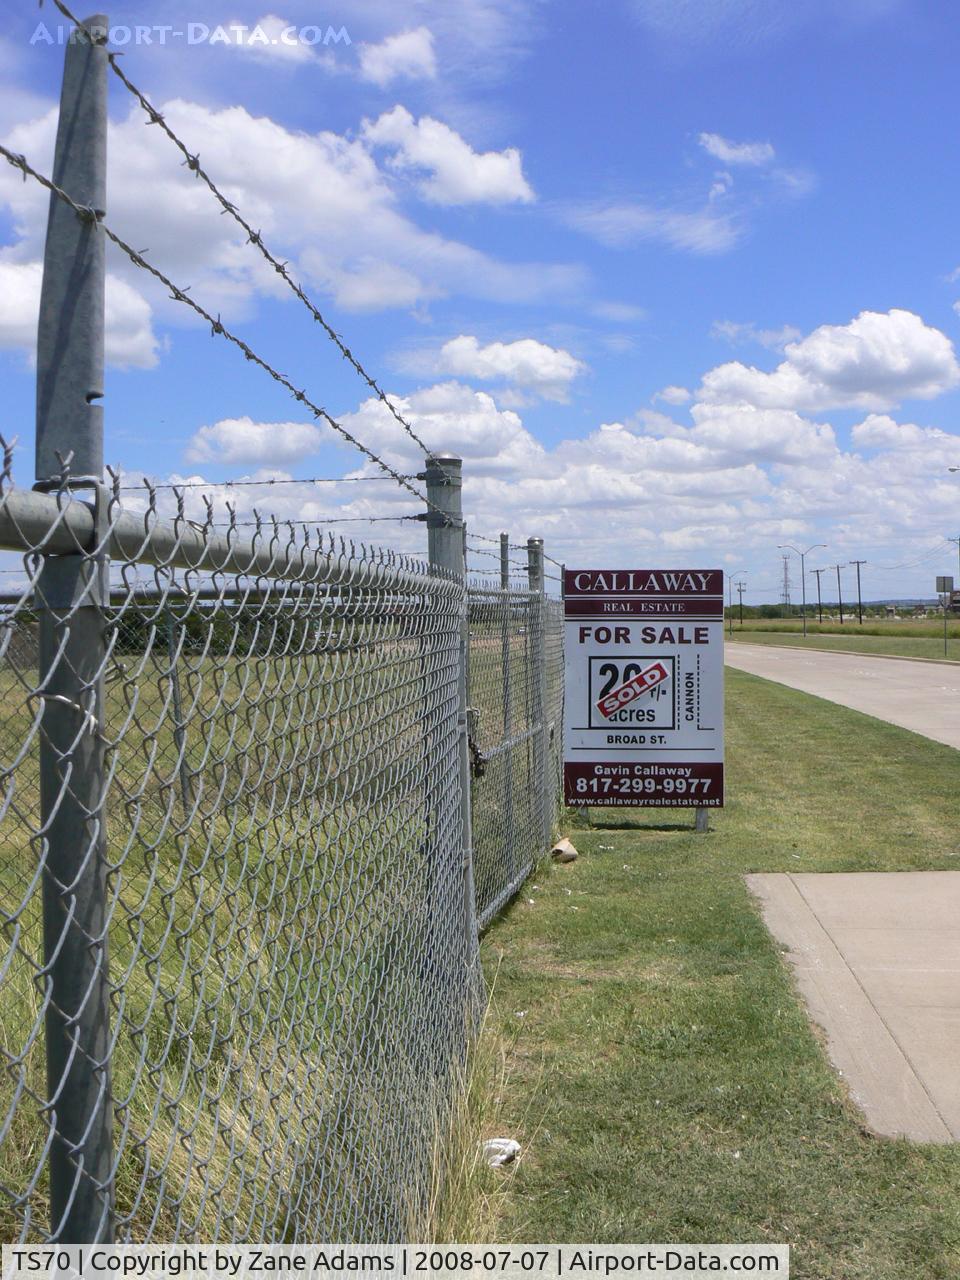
855 653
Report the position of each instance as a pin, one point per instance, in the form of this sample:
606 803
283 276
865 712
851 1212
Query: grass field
907 639
662 1076
269 986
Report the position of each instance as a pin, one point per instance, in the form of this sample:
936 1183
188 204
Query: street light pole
788 546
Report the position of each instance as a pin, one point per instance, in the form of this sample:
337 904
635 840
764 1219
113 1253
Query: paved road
922 696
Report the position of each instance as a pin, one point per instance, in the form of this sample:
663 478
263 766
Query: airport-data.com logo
271 37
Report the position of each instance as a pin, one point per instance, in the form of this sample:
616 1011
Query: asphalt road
922 696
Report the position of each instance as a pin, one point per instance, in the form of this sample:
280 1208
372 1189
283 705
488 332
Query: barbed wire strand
192 161
216 325
249 524
476 551
514 546
239 484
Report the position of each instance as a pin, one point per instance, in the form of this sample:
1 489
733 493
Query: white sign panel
644 687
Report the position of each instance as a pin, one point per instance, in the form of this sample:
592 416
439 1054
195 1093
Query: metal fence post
71 593
539 677
175 638
510 764
444 481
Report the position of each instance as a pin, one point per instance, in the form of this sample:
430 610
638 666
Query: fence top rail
63 523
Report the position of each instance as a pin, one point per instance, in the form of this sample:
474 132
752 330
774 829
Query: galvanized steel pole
444 482
539 668
71 592
509 764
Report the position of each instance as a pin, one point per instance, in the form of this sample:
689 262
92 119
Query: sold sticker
632 689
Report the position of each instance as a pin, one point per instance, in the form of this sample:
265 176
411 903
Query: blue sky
677 277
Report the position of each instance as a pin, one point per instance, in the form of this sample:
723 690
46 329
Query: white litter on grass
564 851
605 846
500 1151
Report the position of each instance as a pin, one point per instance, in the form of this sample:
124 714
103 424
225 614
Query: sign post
644 689
945 592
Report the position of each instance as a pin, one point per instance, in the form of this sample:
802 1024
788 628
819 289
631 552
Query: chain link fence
244 855
516 703
234 989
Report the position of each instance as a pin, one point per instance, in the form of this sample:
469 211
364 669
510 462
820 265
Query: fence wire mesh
233 994
515 657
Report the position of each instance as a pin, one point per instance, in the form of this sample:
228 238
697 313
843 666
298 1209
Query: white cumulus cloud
526 363
241 440
456 173
874 362
130 342
320 199
673 395
408 55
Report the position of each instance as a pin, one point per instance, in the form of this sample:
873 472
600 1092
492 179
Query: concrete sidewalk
921 696
876 956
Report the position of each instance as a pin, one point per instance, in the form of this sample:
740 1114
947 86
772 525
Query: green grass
267 951
663 1077
911 640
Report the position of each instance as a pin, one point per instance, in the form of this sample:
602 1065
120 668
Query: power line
911 564
192 161
216 325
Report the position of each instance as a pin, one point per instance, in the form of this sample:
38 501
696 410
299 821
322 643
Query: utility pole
819 601
740 587
730 578
858 563
957 541
839 593
785 594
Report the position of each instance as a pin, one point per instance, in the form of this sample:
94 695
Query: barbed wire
477 551
238 484
280 522
216 325
514 546
192 161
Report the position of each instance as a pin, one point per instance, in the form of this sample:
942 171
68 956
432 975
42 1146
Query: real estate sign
644 687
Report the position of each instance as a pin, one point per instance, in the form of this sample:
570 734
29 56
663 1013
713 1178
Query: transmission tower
785 593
